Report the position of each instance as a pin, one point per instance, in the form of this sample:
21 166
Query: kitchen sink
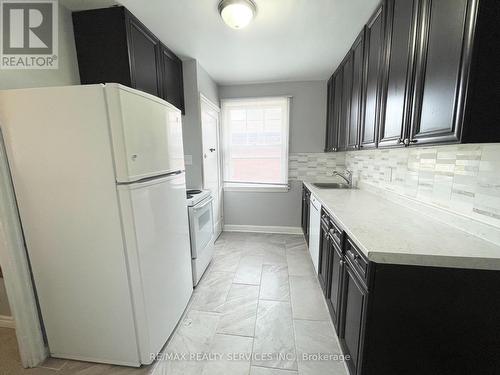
331 185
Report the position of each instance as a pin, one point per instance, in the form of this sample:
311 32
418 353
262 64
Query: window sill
257 189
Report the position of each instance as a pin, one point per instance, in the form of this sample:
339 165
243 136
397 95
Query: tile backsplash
312 166
464 179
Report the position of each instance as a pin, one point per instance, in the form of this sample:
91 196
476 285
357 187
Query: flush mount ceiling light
237 13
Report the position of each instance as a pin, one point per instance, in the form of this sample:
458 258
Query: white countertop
390 233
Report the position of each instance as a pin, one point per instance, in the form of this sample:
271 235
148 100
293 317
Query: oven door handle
196 208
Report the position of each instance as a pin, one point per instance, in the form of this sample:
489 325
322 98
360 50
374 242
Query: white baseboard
7 322
262 229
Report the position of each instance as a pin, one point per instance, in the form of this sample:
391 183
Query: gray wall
67 74
4 302
196 81
307 134
207 86
307 111
264 208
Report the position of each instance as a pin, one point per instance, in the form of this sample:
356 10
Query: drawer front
357 259
335 233
325 219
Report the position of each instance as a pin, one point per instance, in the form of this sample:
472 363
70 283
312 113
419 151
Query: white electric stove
201 231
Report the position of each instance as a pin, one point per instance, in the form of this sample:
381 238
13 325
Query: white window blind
255 134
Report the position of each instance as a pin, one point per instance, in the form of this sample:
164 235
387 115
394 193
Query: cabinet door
437 89
336 274
401 23
331 117
144 51
171 78
357 83
345 105
337 105
305 213
324 258
303 222
372 81
353 316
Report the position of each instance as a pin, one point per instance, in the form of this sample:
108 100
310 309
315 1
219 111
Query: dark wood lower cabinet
431 320
324 256
306 196
412 320
355 297
335 289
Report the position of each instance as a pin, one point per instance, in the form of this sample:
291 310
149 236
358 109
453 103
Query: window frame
285 132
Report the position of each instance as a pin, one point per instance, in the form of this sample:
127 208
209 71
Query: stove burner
193 192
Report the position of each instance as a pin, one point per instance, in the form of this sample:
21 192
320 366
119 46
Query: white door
146 133
211 158
157 237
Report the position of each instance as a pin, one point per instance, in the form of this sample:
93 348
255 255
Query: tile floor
260 300
10 363
257 311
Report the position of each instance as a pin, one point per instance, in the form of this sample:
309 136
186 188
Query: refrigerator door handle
161 177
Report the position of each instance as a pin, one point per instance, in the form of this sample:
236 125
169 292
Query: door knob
212 149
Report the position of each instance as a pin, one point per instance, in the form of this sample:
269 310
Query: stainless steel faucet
346 176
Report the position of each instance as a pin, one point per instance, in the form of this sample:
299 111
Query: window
255 133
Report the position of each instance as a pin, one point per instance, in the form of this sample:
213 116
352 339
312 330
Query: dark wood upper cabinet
114 46
331 129
437 79
337 105
171 73
372 81
444 90
144 53
430 76
345 104
357 56
401 26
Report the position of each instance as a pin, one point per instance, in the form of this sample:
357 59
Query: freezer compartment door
156 230
146 133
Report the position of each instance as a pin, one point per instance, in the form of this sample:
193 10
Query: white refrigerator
98 173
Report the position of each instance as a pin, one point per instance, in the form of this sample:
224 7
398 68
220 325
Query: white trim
210 103
245 98
218 221
7 322
249 188
262 229
258 102
17 275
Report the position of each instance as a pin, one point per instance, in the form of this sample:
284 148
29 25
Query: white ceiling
289 40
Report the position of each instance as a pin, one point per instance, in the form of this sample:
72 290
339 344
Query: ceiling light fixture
237 13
